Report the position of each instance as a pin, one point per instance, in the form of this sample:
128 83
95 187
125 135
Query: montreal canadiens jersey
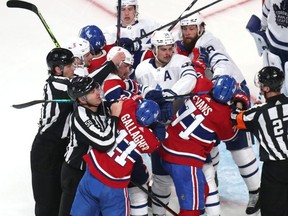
275 22
115 88
113 168
178 75
138 29
195 128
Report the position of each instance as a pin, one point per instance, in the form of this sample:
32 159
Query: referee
269 123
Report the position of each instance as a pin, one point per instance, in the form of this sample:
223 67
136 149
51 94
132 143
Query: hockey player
110 163
97 40
82 52
117 86
191 136
198 41
131 28
173 74
268 122
270 34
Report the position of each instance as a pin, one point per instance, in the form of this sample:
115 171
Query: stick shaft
183 17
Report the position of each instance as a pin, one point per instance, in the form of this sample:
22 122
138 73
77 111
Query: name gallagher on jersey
134 132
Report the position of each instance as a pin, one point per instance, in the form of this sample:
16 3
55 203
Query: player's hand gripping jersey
114 167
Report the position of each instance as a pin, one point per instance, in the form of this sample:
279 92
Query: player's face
190 36
165 53
128 15
124 70
87 59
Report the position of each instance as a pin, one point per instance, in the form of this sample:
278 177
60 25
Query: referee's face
94 96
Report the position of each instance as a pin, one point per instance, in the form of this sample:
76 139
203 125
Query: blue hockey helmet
147 112
95 37
223 89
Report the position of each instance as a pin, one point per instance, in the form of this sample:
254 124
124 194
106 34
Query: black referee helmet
270 76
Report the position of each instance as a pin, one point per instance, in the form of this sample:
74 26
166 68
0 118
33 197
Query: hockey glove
241 97
166 111
129 45
159 130
132 86
155 95
200 59
233 116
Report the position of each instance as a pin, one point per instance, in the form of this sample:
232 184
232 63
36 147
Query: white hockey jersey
140 28
275 22
178 75
219 60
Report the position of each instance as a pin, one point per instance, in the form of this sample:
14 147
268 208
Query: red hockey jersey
195 127
113 168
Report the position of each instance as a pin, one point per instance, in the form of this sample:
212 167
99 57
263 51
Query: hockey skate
254 203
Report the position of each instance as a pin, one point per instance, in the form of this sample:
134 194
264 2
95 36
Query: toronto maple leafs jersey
114 167
178 75
275 22
195 128
220 63
138 29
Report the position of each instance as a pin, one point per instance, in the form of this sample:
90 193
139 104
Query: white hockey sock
161 188
248 167
138 201
215 156
212 205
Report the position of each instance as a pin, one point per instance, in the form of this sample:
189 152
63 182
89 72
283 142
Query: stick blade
28 104
22 4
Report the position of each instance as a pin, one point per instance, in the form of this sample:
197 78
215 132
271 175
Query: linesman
269 123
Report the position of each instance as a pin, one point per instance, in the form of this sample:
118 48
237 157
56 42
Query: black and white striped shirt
269 123
89 130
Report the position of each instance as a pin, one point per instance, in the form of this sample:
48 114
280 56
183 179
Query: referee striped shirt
269 123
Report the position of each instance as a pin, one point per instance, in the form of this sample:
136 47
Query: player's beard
189 43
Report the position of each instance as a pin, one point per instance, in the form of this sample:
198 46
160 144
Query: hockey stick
34 102
179 18
176 21
33 8
118 22
154 198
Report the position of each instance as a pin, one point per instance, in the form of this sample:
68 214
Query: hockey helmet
160 38
270 76
95 36
78 46
147 112
59 57
114 50
223 89
80 86
195 19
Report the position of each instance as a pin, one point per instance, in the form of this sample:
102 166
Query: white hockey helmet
78 46
114 50
126 3
162 37
195 19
